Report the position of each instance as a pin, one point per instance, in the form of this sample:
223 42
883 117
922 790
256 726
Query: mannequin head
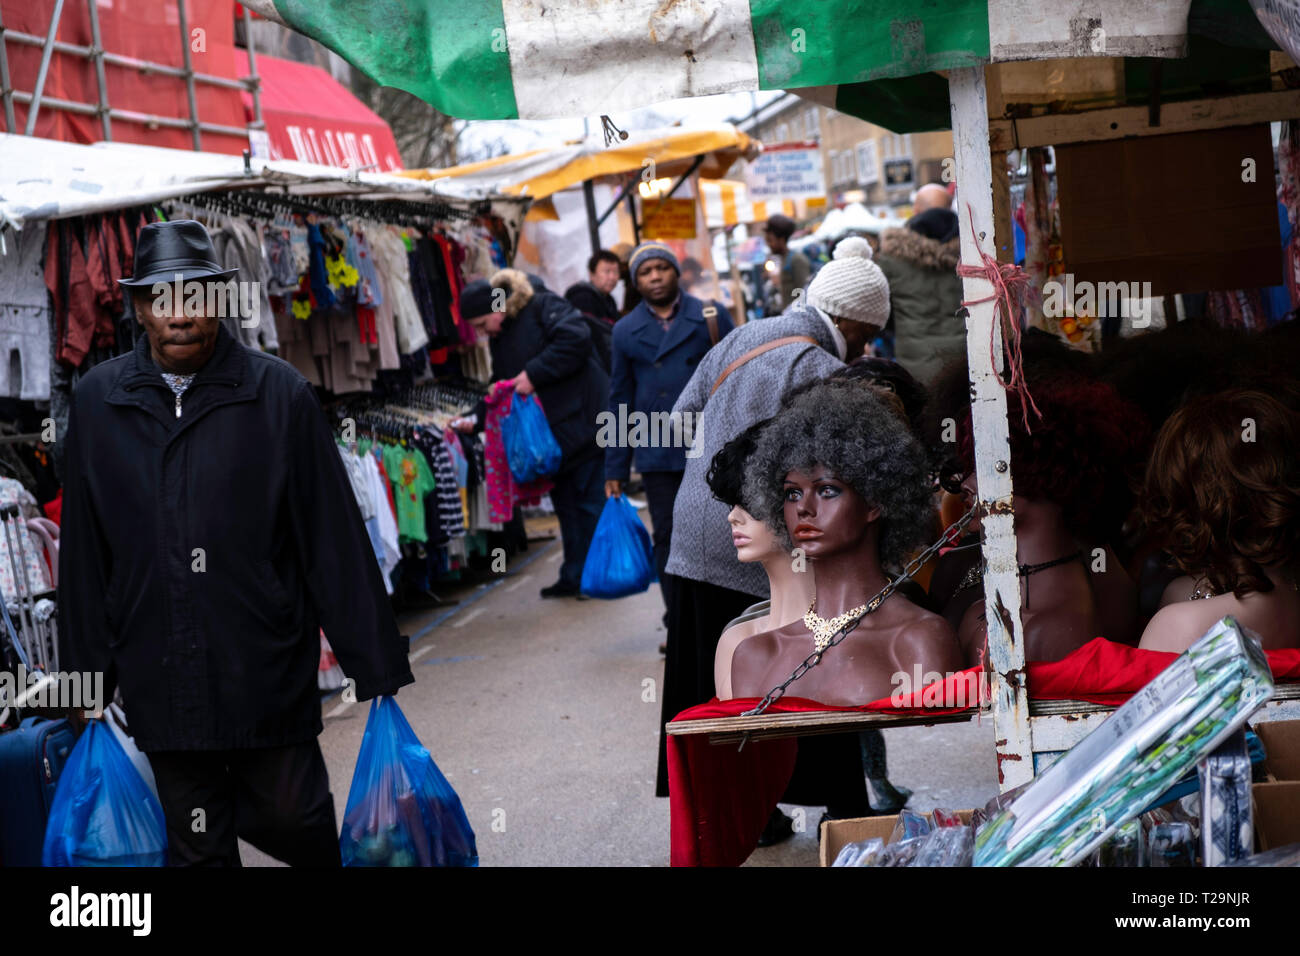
1076 455
1223 488
840 460
754 540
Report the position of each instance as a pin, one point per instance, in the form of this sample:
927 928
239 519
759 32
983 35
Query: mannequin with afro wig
840 477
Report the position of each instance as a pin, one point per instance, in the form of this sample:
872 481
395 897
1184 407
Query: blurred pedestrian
656 348
793 268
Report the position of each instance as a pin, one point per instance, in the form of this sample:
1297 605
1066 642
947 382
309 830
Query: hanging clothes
238 245
13 493
412 479
25 316
381 492
447 492
399 307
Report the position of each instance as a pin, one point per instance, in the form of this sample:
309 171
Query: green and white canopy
542 59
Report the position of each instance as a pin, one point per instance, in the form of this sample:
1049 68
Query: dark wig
889 375
849 428
1081 454
1223 488
726 474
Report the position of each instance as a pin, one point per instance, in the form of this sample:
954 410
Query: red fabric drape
721 799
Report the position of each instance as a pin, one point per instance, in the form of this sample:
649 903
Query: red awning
312 117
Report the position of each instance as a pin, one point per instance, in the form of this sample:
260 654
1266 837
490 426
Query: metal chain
813 659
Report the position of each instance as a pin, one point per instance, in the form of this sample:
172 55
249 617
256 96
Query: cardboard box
1179 210
837 834
1277 814
1281 740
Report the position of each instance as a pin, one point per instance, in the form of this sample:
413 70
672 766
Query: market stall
350 277
1127 86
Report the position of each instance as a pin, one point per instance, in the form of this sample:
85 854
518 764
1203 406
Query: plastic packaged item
897 854
1172 844
1112 774
940 817
620 560
103 812
859 854
977 819
1227 832
947 846
401 811
1124 847
910 824
531 448
1288 855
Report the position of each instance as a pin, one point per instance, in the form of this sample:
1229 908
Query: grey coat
701 544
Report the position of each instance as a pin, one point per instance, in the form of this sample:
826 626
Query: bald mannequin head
931 196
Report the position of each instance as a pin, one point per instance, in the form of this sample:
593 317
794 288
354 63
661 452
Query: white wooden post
970 134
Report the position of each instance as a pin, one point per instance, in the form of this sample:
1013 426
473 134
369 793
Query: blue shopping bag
621 559
531 449
103 813
401 810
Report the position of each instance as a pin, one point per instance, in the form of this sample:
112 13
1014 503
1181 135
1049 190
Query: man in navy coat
654 352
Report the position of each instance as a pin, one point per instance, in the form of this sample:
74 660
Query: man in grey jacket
830 323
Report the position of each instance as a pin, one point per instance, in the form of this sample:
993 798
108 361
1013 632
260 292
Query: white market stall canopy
542 59
48 179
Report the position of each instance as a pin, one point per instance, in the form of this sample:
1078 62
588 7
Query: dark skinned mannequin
839 532
1058 610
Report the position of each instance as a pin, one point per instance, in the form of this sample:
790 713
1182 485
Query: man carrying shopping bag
542 344
209 533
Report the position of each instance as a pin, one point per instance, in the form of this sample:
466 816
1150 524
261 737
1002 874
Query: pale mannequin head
753 539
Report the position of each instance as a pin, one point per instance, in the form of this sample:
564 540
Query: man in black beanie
542 344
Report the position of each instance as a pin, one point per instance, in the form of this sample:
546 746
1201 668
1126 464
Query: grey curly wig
847 427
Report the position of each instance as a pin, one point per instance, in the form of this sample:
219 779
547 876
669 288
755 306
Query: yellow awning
541 172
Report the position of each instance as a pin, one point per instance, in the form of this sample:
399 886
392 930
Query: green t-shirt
412 479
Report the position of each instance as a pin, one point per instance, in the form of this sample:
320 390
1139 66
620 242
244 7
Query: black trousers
661 494
696 618
276 798
579 498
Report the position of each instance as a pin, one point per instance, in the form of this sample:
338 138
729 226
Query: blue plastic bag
621 559
531 449
401 809
103 813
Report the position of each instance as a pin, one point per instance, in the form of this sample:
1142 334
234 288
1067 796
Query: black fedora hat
167 249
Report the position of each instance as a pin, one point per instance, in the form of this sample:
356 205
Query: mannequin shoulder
923 635
1177 627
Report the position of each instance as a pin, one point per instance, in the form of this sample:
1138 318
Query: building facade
862 162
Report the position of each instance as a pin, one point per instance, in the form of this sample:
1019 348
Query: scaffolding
36 98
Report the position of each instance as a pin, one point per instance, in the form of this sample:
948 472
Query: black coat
218 648
547 337
600 311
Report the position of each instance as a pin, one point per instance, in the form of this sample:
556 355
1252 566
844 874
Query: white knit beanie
851 286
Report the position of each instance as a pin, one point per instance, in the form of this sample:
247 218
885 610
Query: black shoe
891 799
559 590
779 829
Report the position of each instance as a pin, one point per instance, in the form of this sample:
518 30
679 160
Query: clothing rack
264 204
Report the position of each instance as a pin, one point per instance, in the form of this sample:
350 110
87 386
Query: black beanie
937 224
476 299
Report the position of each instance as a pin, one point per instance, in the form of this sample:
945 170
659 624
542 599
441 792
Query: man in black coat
542 344
209 533
592 298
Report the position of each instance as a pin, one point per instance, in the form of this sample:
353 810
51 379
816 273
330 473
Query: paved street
534 711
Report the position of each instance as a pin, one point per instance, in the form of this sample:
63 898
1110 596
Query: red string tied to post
1010 289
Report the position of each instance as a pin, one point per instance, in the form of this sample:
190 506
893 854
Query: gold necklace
823 630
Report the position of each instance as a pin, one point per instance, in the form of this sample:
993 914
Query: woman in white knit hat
851 294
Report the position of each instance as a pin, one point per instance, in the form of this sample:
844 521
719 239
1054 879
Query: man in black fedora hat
209 533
